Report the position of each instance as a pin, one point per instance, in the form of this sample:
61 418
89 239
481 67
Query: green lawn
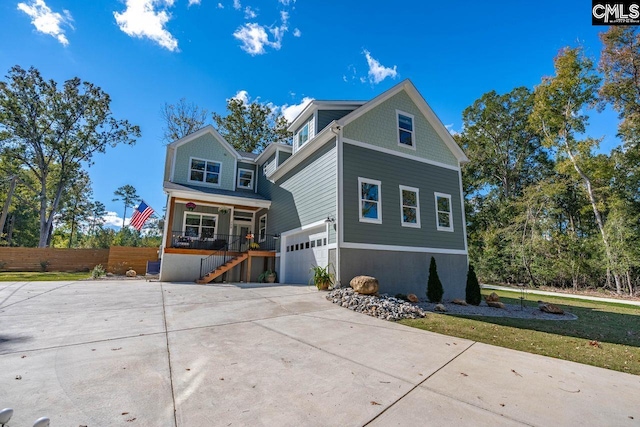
42 276
605 335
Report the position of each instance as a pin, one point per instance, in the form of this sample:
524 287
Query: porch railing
230 242
229 250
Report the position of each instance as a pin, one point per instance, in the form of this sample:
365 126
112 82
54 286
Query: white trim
399 154
393 248
361 181
436 195
250 187
271 147
303 153
416 207
413 129
260 239
339 203
201 214
172 152
463 211
297 145
422 105
314 106
302 228
176 190
204 172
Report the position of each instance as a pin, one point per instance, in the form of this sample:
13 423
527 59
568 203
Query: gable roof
319 105
425 109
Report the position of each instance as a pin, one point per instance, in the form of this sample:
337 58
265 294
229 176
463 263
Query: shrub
473 295
434 286
44 264
98 271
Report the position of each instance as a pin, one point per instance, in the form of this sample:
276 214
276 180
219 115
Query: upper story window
303 135
444 220
370 200
406 135
410 206
245 178
205 171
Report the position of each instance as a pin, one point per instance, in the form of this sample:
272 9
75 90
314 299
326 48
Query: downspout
337 130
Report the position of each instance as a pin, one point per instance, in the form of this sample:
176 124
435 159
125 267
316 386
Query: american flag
140 215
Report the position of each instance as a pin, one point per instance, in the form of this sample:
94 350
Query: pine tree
434 286
473 295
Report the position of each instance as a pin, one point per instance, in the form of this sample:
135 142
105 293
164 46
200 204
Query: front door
241 229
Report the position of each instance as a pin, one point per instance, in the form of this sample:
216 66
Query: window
205 171
405 129
262 228
245 178
409 206
303 135
444 221
370 200
201 226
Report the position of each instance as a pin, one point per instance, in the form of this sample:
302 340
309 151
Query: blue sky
148 52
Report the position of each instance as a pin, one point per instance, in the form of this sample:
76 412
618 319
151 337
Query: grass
606 335
42 276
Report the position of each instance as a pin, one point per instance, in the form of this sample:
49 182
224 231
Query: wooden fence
116 260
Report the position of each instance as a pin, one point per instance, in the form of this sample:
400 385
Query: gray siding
394 171
282 156
327 116
306 194
206 147
264 185
405 272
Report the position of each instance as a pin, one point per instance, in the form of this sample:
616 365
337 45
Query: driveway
130 353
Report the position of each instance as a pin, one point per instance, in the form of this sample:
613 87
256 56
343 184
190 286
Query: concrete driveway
152 354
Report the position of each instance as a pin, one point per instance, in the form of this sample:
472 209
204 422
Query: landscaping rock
441 308
492 297
459 302
495 304
365 285
549 308
412 298
131 273
383 307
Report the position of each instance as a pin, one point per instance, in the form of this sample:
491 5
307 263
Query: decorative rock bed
382 307
390 308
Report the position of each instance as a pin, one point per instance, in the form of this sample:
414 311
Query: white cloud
249 13
297 33
378 72
242 95
237 5
141 19
220 6
290 112
111 219
451 130
192 2
287 2
254 37
46 21
284 16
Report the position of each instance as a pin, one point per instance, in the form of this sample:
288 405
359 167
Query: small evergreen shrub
98 271
434 286
44 265
473 295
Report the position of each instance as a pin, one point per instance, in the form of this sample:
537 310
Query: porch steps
222 269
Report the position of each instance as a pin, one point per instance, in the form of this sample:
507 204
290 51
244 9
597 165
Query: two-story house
369 188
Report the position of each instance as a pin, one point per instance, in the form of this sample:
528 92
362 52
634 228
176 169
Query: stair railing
220 257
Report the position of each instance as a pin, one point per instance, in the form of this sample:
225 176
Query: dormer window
405 129
303 135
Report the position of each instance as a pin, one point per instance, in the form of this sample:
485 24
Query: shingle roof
209 190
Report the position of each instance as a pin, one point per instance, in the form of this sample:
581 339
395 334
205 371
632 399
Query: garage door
304 250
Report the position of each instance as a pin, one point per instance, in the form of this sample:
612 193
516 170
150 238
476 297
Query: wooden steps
222 269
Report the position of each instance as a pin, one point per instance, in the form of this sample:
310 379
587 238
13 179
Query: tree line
543 206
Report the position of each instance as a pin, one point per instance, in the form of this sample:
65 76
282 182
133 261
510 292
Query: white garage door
304 250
